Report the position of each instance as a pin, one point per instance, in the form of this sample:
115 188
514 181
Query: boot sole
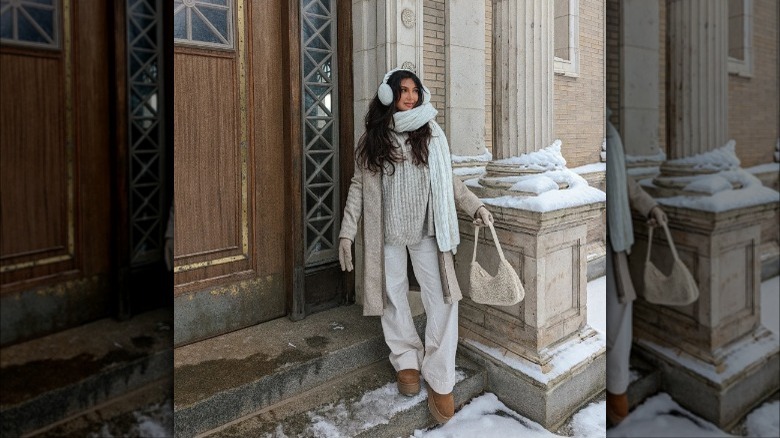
438 416
409 389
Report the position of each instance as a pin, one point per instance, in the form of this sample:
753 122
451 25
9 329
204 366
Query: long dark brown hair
375 147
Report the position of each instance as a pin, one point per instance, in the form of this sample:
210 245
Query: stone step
221 379
645 381
48 379
147 411
362 403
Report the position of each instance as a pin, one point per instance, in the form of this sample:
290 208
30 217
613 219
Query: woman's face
409 95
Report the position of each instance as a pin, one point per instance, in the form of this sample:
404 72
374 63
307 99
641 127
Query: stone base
721 396
549 402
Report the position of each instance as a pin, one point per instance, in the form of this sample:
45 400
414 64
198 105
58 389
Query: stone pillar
639 93
717 359
464 51
543 360
386 34
523 32
698 75
542 357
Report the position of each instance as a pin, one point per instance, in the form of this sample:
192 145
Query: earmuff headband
385 92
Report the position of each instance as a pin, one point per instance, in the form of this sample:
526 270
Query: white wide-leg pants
618 333
436 361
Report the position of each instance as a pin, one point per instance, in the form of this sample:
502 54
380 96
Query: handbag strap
495 240
668 238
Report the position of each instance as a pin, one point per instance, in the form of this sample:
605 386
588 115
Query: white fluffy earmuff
385 93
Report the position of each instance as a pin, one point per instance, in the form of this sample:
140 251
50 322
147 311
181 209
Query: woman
623 194
405 191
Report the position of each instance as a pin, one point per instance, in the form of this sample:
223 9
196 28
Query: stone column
543 359
464 52
386 34
523 32
639 92
698 75
716 358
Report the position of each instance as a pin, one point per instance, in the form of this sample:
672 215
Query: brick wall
753 102
579 102
433 55
613 60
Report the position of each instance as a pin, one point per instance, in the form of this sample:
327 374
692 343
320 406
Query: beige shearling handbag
679 288
505 289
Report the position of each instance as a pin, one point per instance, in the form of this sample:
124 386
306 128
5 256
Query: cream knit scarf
445 218
619 228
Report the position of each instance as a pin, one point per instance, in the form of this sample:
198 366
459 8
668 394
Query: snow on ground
375 407
151 421
486 417
764 421
460 171
660 416
597 304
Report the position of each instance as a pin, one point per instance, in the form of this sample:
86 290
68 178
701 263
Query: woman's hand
657 217
483 217
345 254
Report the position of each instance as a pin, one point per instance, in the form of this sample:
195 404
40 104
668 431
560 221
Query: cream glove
345 254
483 217
657 217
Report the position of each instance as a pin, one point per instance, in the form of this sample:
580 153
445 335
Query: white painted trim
571 67
744 67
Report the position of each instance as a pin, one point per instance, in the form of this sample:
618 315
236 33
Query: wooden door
55 204
229 187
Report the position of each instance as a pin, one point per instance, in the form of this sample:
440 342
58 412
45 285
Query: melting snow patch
590 168
579 193
722 158
563 357
752 193
660 416
549 158
590 422
764 421
347 419
657 158
736 357
486 417
460 171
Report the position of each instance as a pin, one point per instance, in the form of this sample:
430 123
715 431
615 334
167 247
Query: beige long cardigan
640 201
365 196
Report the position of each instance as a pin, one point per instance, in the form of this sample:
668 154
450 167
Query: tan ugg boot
409 382
617 408
442 406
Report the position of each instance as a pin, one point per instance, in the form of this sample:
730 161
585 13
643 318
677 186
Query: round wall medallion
409 66
408 18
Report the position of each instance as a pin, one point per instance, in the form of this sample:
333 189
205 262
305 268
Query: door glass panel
144 32
320 121
30 23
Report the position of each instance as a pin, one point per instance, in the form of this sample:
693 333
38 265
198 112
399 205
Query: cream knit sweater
406 194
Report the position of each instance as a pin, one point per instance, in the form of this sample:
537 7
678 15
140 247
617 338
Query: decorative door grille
145 133
320 131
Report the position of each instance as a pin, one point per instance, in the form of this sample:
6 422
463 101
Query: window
33 23
740 37
207 23
567 13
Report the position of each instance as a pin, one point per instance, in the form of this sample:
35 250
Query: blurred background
86 173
